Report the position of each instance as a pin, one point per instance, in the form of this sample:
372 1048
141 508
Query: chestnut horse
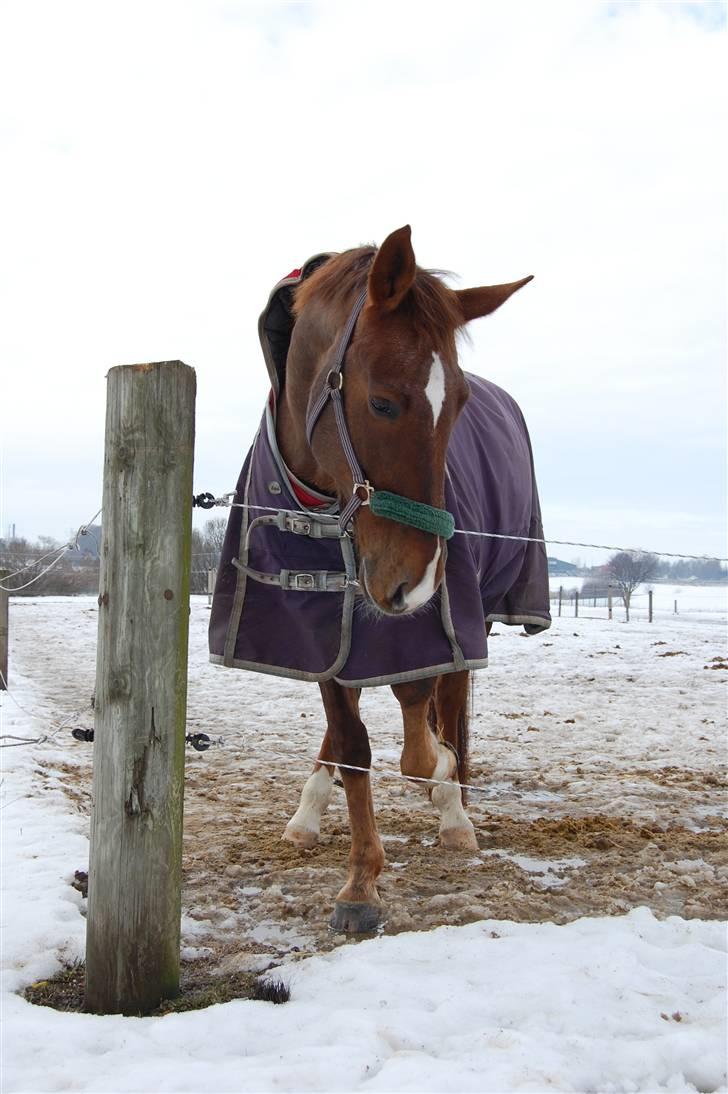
402 395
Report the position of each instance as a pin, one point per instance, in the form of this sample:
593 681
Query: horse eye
384 409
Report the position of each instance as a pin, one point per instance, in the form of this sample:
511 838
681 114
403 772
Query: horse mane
430 306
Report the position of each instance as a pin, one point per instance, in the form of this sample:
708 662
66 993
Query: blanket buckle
302 582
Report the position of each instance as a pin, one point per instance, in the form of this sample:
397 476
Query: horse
373 444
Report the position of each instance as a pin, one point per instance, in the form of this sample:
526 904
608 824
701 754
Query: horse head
401 389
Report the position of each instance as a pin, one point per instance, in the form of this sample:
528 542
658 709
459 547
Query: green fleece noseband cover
415 513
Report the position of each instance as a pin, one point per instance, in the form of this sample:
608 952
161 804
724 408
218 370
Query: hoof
459 839
354 917
301 837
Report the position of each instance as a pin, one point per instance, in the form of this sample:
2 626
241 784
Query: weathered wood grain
132 949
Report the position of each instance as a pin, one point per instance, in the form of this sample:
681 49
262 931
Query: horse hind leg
452 717
304 827
435 747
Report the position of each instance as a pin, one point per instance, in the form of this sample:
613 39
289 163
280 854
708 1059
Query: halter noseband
382 503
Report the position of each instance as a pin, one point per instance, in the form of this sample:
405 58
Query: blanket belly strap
302 581
317 526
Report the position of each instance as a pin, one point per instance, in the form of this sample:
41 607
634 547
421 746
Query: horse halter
438 522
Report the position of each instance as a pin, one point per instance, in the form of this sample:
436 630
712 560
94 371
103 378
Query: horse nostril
399 599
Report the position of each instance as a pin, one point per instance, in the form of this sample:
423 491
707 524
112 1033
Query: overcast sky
163 164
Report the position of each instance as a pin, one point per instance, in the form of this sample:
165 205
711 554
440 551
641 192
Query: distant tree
206 548
47 543
595 588
709 569
198 543
628 571
214 534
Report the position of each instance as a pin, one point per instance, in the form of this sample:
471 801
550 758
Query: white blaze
435 390
422 592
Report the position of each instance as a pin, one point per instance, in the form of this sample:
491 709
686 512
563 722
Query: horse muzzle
394 591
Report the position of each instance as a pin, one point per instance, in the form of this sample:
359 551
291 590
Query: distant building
559 568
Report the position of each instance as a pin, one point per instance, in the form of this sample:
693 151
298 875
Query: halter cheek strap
382 503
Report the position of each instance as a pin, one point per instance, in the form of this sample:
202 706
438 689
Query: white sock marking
314 799
448 799
422 592
435 390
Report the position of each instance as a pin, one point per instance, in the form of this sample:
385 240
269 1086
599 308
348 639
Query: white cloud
165 163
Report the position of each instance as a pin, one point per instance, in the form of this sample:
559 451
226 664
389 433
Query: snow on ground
622 723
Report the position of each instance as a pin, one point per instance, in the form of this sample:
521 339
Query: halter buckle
334 379
368 491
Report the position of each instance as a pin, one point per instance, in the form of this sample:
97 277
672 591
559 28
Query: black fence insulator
199 741
204 501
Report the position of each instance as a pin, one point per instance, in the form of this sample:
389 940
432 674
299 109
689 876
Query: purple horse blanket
283 603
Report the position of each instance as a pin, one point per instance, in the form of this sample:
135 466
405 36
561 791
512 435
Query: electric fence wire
225 501
72 544
56 727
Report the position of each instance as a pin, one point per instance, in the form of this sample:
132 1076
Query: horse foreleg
426 756
358 907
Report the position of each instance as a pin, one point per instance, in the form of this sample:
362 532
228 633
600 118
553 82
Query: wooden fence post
609 602
133 923
4 632
576 603
675 612
561 596
649 603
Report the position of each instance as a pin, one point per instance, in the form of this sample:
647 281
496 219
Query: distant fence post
675 612
211 579
649 608
4 632
576 603
561 596
609 602
133 923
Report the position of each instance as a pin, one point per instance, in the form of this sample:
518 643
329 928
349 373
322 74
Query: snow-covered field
581 949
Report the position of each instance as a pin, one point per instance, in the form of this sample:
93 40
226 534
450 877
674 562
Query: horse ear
475 303
393 271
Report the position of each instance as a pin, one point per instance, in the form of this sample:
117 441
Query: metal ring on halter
368 491
334 380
